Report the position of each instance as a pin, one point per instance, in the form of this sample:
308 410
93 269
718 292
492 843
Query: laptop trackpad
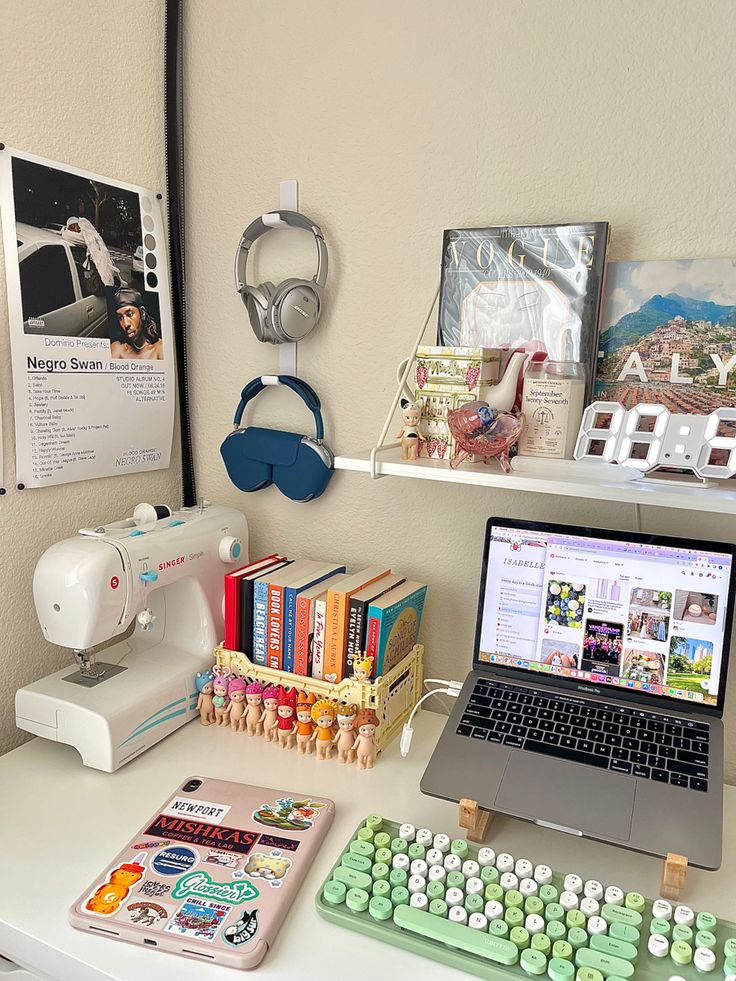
597 802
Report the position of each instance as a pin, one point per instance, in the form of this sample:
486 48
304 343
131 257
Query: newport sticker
200 833
146 914
201 885
204 809
242 930
288 814
273 868
173 860
198 918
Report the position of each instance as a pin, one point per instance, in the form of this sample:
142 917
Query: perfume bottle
552 404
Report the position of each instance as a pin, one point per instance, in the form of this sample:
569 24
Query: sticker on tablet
198 918
273 868
107 898
146 914
243 930
225 860
201 885
173 860
205 810
287 814
153 889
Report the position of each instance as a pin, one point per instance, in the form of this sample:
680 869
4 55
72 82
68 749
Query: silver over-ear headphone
285 313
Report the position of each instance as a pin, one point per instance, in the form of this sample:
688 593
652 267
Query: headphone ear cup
295 309
257 300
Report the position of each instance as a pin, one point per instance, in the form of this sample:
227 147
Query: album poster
89 315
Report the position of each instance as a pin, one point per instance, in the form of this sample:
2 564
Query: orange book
336 613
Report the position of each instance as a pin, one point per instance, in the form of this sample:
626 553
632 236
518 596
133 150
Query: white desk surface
61 824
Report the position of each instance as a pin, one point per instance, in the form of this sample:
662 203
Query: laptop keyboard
608 736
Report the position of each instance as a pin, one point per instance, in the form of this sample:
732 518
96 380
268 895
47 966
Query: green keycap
358 862
554 912
436 890
398 877
533 962
680 931
380 908
588 974
334 892
456 935
574 918
357 900
490 874
455 880
459 847
729 966
416 851
729 948
706 921
514 899
607 965
577 937
381 887
520 937
548 894
383 855
493 893
560 970
374 822
399 896
614 947
399 846
562 949
365 848
352 879
635 901
474 903
380 870
365 834
542 943
681 952
621 931
514 916
704 938
619 914
382 840
556 930
533 904
438 907
499 928
660 926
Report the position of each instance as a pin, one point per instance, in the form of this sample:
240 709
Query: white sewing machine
159 573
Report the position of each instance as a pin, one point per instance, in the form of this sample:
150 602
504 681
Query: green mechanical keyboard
497 916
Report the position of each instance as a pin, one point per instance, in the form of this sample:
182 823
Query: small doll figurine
254 711
270 712
366 722
411 413
236 693
204 685
286 725
220 698
362 668
345 735
304 724
324 713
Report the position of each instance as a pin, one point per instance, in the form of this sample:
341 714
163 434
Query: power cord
453 688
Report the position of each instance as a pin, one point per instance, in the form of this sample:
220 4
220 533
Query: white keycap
417 883
493 910
568 900
528 887
596 924
658 945
679 977
458 914
505 862
614 896
474 885
408 832
434 857
683 914
419 901
424 837
729 977
437 873
477 922
400 861
452 863
593 889
534 924
704 959
508 881
419 867
442 842
486 856
661 909
573 883
471 869
543 875
454 897
589 906
523 868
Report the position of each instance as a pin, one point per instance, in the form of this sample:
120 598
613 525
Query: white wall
80 83
401 119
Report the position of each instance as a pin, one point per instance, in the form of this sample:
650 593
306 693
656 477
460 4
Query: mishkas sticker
204 809
200 833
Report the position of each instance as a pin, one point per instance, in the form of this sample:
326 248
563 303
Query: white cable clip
453 688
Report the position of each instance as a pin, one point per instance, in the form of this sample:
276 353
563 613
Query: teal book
393 625
311 577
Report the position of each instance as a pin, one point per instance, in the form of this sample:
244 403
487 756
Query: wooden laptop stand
475 820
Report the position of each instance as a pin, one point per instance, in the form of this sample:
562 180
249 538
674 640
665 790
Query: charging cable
453 688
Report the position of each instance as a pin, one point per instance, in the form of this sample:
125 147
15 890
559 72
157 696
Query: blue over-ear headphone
300 466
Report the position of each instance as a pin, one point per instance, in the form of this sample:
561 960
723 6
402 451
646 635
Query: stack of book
315 619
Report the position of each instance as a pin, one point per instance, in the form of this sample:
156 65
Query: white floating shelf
720 498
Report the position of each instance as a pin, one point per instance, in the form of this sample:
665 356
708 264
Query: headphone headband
302 389
263 224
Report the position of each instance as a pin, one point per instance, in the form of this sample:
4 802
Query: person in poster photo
134 333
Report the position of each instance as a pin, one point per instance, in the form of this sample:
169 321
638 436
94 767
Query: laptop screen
643 613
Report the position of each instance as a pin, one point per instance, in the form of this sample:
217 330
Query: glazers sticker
204 809
200 833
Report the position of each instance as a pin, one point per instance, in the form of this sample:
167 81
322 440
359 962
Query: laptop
595 701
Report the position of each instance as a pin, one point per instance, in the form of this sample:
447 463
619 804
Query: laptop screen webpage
646 617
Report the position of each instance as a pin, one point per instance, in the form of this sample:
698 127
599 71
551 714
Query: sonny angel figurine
270 717
366 722
304 724
204 685
236 713
220 699
254 711
345 735
363 668
411 413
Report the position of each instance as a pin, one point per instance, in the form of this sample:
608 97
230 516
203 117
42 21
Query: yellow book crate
392 696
